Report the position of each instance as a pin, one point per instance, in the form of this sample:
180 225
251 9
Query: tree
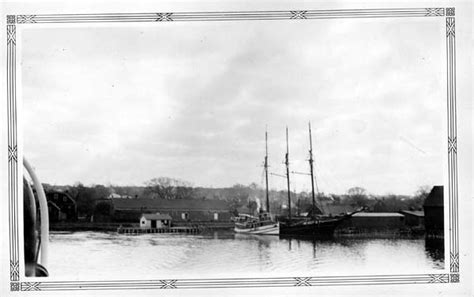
184 192
357 197
86 197
100 192
103 208
84 200
418 199
168 188
357 191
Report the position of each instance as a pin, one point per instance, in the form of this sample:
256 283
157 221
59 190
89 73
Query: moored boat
263 223
317 226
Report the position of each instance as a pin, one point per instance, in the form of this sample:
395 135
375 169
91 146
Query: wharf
185 229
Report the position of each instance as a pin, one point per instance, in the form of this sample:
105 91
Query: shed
155 220
414 218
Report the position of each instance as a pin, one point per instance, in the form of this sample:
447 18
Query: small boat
264 223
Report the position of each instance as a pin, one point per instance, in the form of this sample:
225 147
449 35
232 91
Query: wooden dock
133 231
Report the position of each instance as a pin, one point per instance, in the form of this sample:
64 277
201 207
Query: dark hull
322 228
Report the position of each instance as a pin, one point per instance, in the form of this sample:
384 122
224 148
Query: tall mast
287 163
311 169
266 171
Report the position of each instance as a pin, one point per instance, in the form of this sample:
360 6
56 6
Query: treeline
247 197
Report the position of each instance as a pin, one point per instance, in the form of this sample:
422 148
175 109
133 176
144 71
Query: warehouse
180 210
377 221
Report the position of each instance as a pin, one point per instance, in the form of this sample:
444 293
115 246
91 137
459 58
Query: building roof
435 198
377 214
54 205
164 204
156 216
115 195
418 213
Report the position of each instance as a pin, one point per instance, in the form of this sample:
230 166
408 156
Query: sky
122 104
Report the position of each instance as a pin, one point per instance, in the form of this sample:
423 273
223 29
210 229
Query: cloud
192 101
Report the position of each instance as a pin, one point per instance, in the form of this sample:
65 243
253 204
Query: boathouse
434 212
180 210
61 207
155 220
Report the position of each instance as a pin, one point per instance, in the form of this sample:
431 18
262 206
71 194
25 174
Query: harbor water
223 254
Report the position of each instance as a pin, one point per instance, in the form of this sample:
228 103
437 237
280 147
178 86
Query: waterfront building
61 207
180 210
115 195
414 218
376 221
155 220
434 212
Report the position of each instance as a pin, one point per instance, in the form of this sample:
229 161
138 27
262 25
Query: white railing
43 204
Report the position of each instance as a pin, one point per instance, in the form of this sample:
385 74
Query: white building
117 196
155 220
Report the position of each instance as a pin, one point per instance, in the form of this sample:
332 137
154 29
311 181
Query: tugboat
264 223
316 226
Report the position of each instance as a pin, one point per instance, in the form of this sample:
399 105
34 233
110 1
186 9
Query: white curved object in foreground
43 204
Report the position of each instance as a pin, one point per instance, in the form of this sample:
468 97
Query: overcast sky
124 104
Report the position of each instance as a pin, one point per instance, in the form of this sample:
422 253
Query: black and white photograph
236 148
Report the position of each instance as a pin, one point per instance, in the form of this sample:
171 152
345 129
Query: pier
185 229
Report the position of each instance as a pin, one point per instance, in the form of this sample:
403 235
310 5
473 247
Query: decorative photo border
16 282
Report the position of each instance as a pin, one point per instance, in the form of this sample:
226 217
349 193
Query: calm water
93 255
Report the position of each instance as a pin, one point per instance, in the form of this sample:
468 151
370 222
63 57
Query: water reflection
226 254
434 248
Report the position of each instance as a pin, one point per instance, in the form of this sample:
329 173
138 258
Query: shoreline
68 227
106 227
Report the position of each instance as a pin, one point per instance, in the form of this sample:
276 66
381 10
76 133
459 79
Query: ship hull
269 229
323 228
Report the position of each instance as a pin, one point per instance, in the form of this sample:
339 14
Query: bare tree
168 188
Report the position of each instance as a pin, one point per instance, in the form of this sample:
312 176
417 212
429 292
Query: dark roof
164 204
435 198
418 213
156 216
50 194
54 204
